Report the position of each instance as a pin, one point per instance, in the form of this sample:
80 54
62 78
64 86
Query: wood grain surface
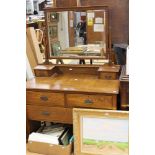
91 101
51 114
74 83
45 98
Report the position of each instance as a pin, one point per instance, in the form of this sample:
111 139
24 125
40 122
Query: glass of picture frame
53 17
100 132
53 31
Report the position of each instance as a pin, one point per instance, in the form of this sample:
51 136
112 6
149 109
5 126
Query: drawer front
108 76
90 101
41 73
51 114
44 98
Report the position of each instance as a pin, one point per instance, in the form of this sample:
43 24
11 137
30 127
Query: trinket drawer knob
46 113
44 98
88 101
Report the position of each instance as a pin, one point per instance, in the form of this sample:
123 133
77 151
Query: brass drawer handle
44 98
88 101
46 113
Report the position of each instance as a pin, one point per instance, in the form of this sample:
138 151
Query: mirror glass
104 136
72 33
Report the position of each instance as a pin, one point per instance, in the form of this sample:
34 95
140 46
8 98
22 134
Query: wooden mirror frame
78 9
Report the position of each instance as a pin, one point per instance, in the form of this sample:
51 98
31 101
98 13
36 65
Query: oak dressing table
57 89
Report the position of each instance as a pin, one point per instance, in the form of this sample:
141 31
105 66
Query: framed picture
100 132
53 17
53 31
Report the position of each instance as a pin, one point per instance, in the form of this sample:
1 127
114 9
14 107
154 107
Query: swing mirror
77 32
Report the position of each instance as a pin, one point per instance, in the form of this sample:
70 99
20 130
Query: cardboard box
49 149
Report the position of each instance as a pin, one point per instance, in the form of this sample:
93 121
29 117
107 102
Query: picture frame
100 132
53 31
53 17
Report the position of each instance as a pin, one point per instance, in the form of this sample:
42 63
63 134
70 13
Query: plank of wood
34 44
30 54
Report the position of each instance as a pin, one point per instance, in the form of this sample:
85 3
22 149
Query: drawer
44 98
90 101
108 76
51 114
42 73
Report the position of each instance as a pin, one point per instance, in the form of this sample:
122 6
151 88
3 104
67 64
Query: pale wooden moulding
113 130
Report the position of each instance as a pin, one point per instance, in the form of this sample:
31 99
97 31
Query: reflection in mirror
74 34
104 136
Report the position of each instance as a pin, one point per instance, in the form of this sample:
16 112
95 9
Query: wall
63 30
118 15
97 36
29 7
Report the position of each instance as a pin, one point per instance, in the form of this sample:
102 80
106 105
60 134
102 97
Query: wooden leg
91 61
31 126
61 61
82 61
